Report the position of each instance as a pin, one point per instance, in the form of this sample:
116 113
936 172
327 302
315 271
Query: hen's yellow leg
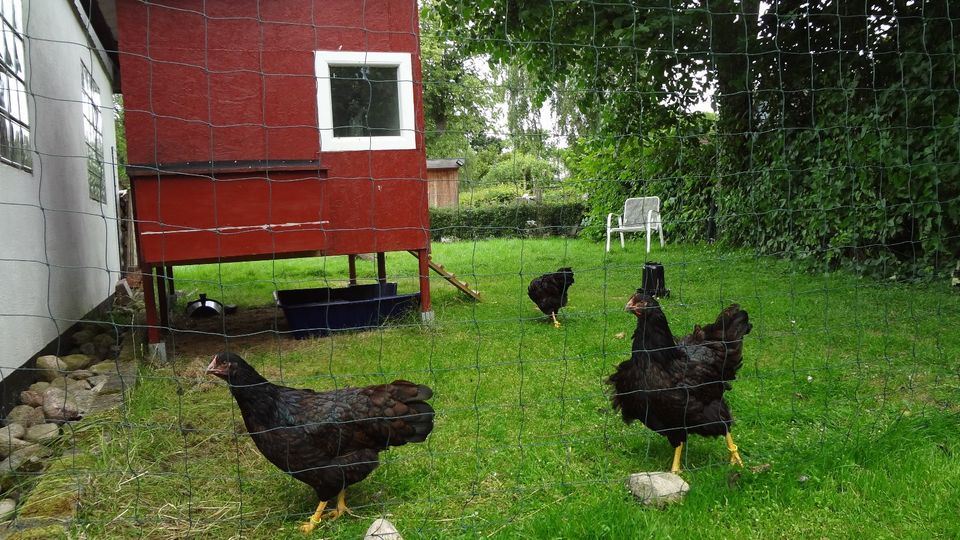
314 519
676 459
734 455
341 506
556 323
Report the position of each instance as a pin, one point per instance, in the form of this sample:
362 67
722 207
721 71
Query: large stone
97 379
88 349
76 361
657 488
50 367
42 433
7 508
127 370
108 339
25 415
83 336
15 431
59 406
80 374
31 398
10 445
26 460
110 385
39 386
70 385
88 402
381 529
104 368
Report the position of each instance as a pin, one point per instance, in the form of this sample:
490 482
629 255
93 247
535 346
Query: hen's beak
634 307
216 368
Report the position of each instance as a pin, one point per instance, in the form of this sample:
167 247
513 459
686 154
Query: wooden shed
262 129
443 182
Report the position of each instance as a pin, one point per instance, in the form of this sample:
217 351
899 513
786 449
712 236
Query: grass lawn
850 392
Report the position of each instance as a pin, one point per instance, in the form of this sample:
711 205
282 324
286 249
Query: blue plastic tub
317 312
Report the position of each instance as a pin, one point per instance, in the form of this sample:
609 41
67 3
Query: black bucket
654 280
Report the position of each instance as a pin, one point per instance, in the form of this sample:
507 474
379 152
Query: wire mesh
806 155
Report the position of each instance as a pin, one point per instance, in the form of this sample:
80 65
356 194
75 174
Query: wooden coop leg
163 298
426 312
352 264
171 290
382 268
157 346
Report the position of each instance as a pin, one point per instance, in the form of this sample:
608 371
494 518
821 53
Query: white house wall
58 253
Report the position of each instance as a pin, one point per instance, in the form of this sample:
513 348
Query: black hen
328 440
549 292
675 387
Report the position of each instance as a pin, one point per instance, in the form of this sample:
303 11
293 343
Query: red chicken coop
262 129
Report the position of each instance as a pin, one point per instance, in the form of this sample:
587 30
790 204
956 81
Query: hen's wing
715 352
343 421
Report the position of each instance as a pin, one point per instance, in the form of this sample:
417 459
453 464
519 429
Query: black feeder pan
654 280
206 307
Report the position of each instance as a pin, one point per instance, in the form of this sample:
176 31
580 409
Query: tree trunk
734 28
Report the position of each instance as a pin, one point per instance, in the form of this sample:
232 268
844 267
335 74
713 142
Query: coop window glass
93 135
365 101
15 148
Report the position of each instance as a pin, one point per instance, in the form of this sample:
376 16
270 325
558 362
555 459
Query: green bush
490 195
526 171
516 220
678 165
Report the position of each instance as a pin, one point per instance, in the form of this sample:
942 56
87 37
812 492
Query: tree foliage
526 171
455 98
838 123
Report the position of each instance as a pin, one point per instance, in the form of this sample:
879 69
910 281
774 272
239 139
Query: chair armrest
653 217
610 219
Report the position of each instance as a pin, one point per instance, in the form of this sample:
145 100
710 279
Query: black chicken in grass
328 440
549 292
675 387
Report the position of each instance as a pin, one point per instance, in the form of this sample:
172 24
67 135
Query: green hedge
533 219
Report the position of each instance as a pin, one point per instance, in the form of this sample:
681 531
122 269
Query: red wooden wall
220 99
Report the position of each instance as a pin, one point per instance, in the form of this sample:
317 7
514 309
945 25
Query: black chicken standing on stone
549 292
675 387
328 440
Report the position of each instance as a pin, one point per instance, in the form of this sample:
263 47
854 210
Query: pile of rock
99 340
68 388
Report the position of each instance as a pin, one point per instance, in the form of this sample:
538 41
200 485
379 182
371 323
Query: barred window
15 147
93 135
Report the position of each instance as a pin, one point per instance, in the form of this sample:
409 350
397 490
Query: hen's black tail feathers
727 334
418 418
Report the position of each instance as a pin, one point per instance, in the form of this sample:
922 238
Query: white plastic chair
640 214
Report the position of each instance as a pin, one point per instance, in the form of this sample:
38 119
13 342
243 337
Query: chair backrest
635 210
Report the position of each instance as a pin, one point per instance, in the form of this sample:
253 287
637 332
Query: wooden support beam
150 305
382 268
352 264
424 258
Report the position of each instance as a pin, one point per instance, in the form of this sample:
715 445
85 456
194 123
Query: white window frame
15 118
93 134
407 140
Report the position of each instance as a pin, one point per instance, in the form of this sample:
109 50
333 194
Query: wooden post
163 299
382 268
426 313
171 290
352 263
150 305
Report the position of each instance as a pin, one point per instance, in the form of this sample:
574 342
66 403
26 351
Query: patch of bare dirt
250 328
